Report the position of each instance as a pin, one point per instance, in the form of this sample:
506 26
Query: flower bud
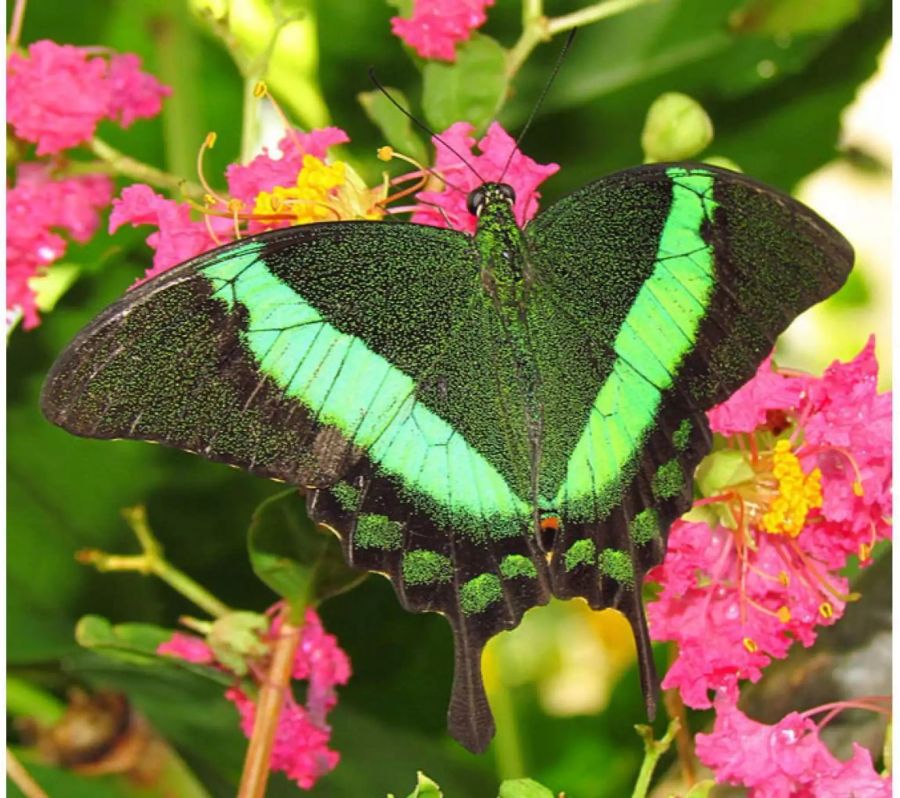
676 128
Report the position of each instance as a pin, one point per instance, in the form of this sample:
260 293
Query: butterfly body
488 420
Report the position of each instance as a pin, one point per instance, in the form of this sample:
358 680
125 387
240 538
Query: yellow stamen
385 153
857 488
784 614
798 493
826 610
750 645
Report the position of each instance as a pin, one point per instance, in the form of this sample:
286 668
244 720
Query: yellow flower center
323 192
797 494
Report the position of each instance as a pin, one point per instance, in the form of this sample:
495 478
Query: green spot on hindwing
617 565
377 532
682 436
644 527
424 567
516 565
668 481
346 496
581 552
479 593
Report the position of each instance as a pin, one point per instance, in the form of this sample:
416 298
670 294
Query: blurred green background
777 78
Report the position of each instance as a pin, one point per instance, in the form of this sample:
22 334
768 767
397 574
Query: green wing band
656 335
373 404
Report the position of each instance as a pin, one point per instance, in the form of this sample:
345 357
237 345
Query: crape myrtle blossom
437 26
296 187
303 185
800 482
42 212
785 760
302 736
56 94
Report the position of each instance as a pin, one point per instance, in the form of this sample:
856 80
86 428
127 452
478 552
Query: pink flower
133 94
178 238
57 94
802 483
264 172
787 760
437 26
447 207
39 209
747 408
187 647
300 749
302 736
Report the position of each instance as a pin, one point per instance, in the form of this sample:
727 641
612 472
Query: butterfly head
490 194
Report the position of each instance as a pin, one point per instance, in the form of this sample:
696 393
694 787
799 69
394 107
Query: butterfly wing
675 281
350 360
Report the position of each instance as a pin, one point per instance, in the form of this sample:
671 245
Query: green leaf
472 89
425 788
789 17
394 126
701 789
524 788
136 643
298 561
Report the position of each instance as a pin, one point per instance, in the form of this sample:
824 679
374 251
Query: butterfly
489 420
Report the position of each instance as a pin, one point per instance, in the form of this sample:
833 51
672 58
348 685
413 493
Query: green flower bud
677 128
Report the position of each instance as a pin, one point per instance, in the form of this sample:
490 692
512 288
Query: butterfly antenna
540 101
422 126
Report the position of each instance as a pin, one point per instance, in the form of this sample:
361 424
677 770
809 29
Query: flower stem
17 774
538 28
268 708
152 561
592 13
137 170
15 27
653 750
683 742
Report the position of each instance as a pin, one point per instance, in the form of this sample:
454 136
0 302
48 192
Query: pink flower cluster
447 207
301 742
437 26
805 483
787 760
38 210
734 595
180 237
57 94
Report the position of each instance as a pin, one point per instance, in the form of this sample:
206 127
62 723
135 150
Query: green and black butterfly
488 420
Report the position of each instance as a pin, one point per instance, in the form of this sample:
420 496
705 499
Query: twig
683 742
152 561
268 709
22 778
538 28
15 28
137 170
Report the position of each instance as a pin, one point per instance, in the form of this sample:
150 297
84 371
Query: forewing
674 281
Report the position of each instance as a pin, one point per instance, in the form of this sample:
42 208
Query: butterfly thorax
501 245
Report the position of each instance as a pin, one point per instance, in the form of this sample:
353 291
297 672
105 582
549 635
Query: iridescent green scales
491 420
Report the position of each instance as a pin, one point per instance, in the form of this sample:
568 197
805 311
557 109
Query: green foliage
397 129
301 563
472 89
773 79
